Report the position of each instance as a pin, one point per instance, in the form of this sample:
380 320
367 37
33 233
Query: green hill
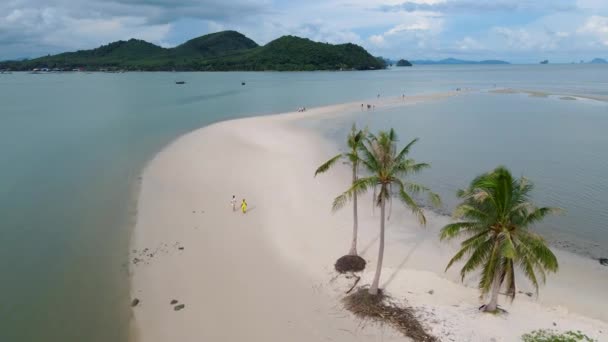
221 51
214 44
120 53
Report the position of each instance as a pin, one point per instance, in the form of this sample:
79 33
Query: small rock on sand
604 261
134 302
431 292
181 248
179 307
173 301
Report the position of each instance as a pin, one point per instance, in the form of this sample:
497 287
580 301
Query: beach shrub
547 335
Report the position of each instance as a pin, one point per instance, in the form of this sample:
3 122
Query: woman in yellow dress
244 206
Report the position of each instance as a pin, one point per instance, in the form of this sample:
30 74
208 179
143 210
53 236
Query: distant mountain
598 61
403 63
457 61
221 51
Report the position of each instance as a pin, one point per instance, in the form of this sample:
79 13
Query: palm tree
354 141
496 214
386 166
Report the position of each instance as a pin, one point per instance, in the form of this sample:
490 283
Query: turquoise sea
72 147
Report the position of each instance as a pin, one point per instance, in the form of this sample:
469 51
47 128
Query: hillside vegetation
221 51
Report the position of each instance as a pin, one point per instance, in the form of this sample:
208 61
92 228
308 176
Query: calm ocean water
73 145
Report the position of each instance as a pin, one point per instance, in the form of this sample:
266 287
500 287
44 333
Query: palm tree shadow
403 262
369 245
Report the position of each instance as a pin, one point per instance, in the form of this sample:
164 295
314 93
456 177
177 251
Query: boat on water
242 83
180 82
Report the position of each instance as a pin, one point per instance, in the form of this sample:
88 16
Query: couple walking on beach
243 204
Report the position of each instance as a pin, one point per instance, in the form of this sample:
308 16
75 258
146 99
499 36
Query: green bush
543 335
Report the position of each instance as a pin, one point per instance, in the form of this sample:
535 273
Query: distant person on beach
244 206
233 202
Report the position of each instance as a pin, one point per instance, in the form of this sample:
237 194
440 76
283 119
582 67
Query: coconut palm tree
496 214
354 141
387 167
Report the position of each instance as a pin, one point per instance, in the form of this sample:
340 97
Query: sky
524 31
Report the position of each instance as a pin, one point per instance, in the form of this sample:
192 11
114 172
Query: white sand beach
268 275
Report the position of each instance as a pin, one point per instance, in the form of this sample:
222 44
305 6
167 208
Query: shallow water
72 147
559 145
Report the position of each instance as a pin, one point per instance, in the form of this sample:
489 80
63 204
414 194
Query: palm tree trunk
353 245
493 304
373 290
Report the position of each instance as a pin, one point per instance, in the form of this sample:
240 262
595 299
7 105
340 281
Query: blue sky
519 31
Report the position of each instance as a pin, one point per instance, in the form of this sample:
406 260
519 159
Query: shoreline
291 228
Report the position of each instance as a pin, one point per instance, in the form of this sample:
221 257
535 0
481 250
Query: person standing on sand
244 206
233 202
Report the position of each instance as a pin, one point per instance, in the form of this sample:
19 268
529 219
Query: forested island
221 51
403 63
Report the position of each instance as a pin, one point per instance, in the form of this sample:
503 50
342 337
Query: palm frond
328 164
452 230
358 187
467 247
480 251
539 214
470 212
410 167
410 203
406 150
535 248
434 199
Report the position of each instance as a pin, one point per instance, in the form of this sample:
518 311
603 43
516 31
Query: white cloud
377 39
52 27
526 39
468 44
419 26
597 27
393 28
417 30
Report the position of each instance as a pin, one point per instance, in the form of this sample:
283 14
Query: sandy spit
267 275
